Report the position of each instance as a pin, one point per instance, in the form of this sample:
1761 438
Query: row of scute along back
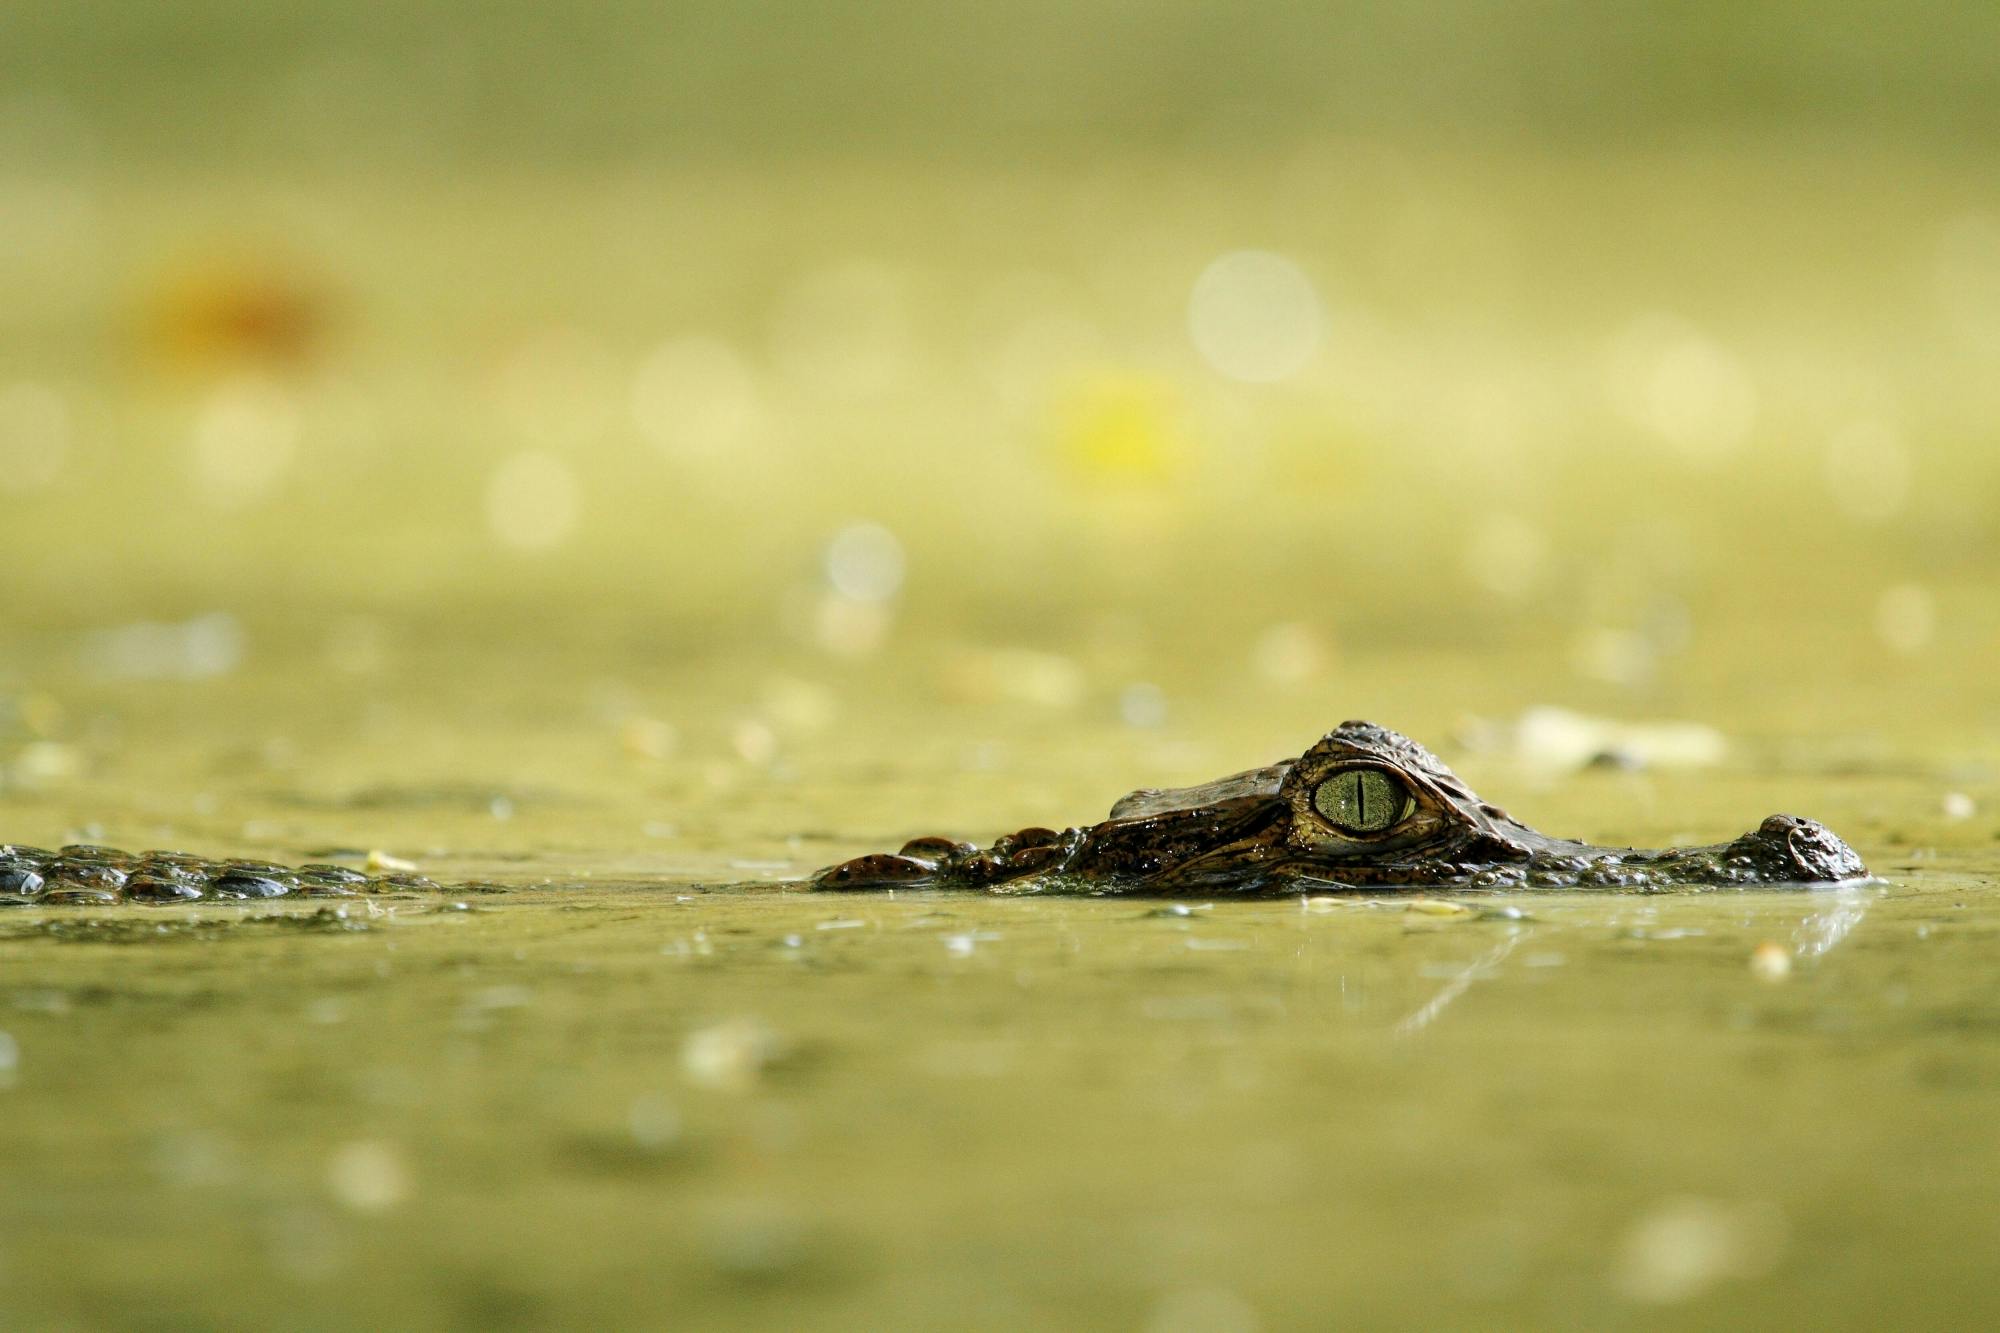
87 875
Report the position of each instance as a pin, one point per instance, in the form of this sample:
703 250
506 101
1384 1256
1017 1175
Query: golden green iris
1362 800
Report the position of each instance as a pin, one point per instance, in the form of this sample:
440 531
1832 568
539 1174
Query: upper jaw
1784 849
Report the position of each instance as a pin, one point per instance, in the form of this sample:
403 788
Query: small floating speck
1957 805
730 1056
368 1177
1323 904
1770 961
1219 946
840 925
380 862
1437 907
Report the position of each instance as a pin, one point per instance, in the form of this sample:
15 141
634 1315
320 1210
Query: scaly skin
100 876
1407 823
1274 830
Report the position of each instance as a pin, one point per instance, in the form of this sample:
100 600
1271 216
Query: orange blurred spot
228 311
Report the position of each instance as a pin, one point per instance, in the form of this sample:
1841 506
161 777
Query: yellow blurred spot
532 501
649 738
1906 618
1120 429
1016 675
380 862
1292 652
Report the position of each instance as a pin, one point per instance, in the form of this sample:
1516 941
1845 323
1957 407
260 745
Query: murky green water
621 1093
641 531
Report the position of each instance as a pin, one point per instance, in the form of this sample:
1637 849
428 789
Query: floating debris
1556 740
200 648
1770 961
730 1056
648 738
963 945
654 1122
380 862
1015 675
1502 914
1957 805
368 1176
1686 1245
1436 907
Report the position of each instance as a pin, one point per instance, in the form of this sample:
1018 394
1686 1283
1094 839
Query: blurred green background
1656 343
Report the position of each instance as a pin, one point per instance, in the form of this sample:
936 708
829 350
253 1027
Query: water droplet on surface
244 439
696 397
1867 471
368 1177
1142 704
533 501
1255 316
1668 377
864 561
1906 618
653 1121
34 436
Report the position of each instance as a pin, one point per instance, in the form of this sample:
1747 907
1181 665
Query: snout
1786 847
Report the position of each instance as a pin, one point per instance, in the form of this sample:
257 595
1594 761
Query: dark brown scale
147 887
85 851
405 883
87 883
245 884
935 849
328 881
1028 860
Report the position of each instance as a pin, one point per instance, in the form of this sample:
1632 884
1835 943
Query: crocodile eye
1362 800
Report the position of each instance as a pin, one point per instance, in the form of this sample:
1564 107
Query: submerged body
88 876
1367 809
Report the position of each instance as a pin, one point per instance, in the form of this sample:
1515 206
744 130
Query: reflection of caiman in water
1364 809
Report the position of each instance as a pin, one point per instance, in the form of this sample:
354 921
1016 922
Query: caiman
1365 809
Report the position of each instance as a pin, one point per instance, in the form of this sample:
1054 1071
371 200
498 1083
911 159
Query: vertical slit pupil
1360 800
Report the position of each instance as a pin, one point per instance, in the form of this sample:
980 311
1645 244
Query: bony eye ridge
1362 800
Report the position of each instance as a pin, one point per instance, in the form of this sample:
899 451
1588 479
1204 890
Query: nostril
1816 850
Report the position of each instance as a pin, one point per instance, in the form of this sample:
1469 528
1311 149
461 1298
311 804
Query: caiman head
1366 809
